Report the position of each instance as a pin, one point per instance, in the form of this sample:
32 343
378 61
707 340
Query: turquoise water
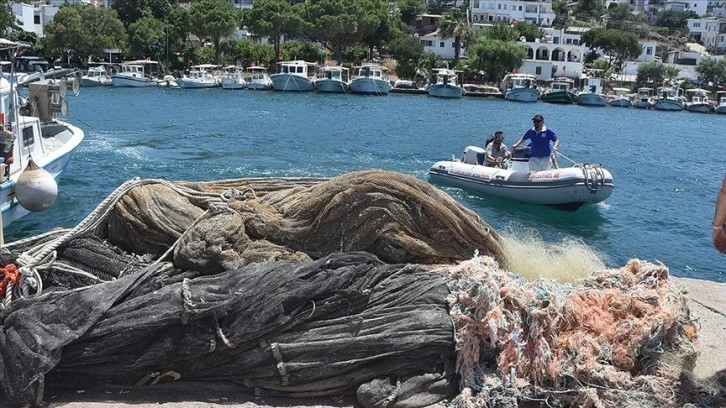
667 166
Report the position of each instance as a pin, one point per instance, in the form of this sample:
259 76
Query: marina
661 207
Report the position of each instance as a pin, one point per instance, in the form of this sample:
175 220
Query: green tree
306 51
130 11
650 74
248 53
618 46
8 22
379 22
147 37
409 10
213 20
495 57
452 25
675 20
590 8
176 33
711 70
529 31
406 50
562 13
620 17
84 31
502 32
272 19
337 24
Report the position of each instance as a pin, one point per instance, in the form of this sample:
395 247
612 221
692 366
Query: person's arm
519 142
488 158
719 220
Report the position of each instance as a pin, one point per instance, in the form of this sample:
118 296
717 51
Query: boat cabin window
27 135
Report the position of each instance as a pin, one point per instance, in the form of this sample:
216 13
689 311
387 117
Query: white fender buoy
36 189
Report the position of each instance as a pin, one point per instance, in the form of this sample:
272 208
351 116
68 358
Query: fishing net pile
363 284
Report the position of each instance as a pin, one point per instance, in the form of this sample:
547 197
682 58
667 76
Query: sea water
667 166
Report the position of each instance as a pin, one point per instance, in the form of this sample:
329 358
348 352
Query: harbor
214 134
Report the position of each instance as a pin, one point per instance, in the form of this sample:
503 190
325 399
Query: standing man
540 137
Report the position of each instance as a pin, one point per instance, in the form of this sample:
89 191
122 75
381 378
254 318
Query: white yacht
371 80
258 79
591 93
96 76
521 88
233 78
293 76
334 79
138 74
200 76
447 84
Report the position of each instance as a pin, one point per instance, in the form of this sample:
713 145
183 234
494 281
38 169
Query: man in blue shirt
540 137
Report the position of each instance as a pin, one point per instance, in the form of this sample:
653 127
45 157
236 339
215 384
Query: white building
705 30
512 11
443 48
35 15
242 4
559 53
697 6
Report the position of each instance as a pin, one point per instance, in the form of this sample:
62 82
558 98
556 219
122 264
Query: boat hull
54 163
370 86
701 108
133 82
188 83
668 105
522 95
331 86
561 97
592 99
568 188
620 103
446 91
721 109
291 83
94 81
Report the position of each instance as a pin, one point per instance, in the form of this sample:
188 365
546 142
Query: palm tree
452 25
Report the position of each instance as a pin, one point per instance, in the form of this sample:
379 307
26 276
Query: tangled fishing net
362 284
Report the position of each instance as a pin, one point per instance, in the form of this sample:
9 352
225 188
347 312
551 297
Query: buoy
36 189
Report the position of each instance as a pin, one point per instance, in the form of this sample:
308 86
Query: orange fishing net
601 343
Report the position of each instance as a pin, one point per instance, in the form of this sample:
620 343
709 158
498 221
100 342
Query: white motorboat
371 80
698 101
293 76
591 93
644 98
136 74
560 90
521 88
96 76
233 78
621 98
200 76
567 188
670 98
721 97
258 79
334 79
447 84
35 147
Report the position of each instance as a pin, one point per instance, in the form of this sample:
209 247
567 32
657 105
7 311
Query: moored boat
644 98
258 79
560 91
96 76
199 76
521 88
334 79
293 76
591 93
446 85
136 74
621 98
698 101
371 80
566 188
233 78
670 98
721 99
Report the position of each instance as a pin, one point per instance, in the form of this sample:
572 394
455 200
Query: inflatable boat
566 187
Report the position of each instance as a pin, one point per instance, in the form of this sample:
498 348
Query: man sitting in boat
540 137
496 151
